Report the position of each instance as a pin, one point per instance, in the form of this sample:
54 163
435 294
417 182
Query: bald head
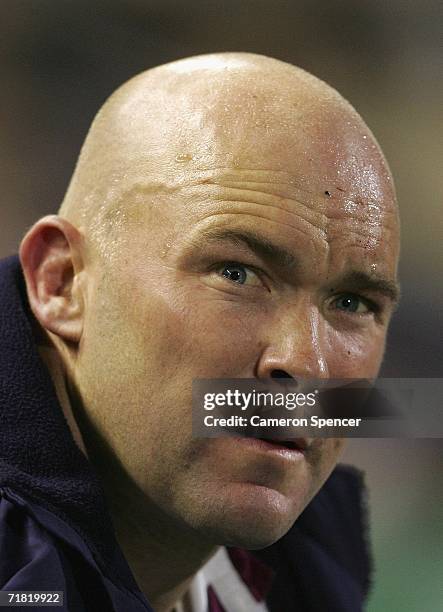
174 125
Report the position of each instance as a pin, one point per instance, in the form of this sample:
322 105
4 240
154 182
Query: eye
354 304
239 274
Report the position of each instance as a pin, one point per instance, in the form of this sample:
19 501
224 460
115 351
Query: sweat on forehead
170 125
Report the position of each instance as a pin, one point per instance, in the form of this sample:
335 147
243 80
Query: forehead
302 166
329 152
319 223
267 119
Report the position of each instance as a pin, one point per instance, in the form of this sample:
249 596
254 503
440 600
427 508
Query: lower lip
270 447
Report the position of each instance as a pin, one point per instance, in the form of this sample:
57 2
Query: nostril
280 374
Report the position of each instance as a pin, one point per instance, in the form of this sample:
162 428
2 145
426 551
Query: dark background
60 59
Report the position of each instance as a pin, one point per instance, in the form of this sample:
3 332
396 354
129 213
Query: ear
51 258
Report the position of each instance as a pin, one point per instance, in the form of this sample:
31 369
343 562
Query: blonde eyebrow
361 280
254 241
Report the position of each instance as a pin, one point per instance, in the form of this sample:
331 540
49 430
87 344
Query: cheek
186 331
356 355
215 336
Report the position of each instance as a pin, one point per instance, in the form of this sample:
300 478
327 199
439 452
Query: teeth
287 443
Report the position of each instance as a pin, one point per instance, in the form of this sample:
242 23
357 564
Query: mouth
299 444
292 447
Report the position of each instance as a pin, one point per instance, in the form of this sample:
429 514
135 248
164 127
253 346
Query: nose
296 346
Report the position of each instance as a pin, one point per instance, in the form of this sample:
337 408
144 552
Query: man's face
238 274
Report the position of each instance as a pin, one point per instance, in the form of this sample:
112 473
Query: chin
253 517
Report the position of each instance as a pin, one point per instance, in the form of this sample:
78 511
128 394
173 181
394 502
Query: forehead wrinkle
189 174
239 207
320 210
240 213
250 198
234 176
359 221
288 191
216 193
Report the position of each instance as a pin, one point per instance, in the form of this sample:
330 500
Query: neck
163 556
53 362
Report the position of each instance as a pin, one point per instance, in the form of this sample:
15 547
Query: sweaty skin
220 159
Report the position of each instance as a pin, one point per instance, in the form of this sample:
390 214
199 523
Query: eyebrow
357 280
261 245
384 286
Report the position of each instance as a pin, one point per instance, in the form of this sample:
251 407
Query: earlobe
50 255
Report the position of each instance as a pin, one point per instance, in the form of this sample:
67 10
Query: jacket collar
39 457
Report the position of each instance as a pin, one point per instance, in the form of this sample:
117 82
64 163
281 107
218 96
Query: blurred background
59 61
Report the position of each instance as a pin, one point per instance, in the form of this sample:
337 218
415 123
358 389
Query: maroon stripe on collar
213 603
255 574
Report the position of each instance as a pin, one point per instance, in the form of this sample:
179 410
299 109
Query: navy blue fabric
56 532
38 551
55 528
323 562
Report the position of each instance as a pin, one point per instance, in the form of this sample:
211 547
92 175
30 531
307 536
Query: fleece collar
38 455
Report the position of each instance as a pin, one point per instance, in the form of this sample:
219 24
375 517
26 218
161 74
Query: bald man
230 216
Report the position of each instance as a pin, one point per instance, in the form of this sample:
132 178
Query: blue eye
240 274
351 303
235 273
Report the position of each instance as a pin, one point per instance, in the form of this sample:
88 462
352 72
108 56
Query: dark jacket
56 532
